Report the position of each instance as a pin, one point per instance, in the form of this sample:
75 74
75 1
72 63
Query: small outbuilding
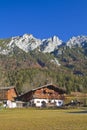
7 96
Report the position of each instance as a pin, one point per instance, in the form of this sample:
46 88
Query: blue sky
43 18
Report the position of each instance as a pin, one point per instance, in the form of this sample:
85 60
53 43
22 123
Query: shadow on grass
79 112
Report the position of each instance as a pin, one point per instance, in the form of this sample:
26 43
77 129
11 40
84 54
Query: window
44 91
59 102
38 101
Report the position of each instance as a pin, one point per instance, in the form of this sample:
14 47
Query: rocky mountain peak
28 36
50 44
79 40
26 42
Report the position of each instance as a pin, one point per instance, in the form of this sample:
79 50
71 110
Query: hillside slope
28 62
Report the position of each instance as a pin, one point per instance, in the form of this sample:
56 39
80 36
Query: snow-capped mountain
49 45
29 42
25 42
79 41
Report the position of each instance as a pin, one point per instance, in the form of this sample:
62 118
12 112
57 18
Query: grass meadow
37 119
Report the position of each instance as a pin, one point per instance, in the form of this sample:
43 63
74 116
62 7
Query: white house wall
38 102
11 104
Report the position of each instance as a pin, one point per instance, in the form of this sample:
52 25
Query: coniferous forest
33 69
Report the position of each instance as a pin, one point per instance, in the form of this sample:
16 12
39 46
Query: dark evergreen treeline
26 79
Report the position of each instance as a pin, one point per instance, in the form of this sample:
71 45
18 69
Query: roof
47 86
62 90
7 88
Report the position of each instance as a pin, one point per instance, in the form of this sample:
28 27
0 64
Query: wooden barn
7 96
44 96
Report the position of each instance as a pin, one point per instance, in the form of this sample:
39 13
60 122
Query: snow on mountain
49 45
55 61
79 40
26 42
4 51
29 42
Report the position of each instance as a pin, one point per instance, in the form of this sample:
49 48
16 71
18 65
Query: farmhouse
7 96
45 96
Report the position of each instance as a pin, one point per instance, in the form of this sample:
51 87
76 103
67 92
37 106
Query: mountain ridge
28 42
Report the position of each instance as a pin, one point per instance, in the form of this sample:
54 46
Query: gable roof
4 90
51 86
10 87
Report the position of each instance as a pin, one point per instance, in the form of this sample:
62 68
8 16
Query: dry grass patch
27 119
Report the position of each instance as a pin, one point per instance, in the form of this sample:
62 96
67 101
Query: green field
33 119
